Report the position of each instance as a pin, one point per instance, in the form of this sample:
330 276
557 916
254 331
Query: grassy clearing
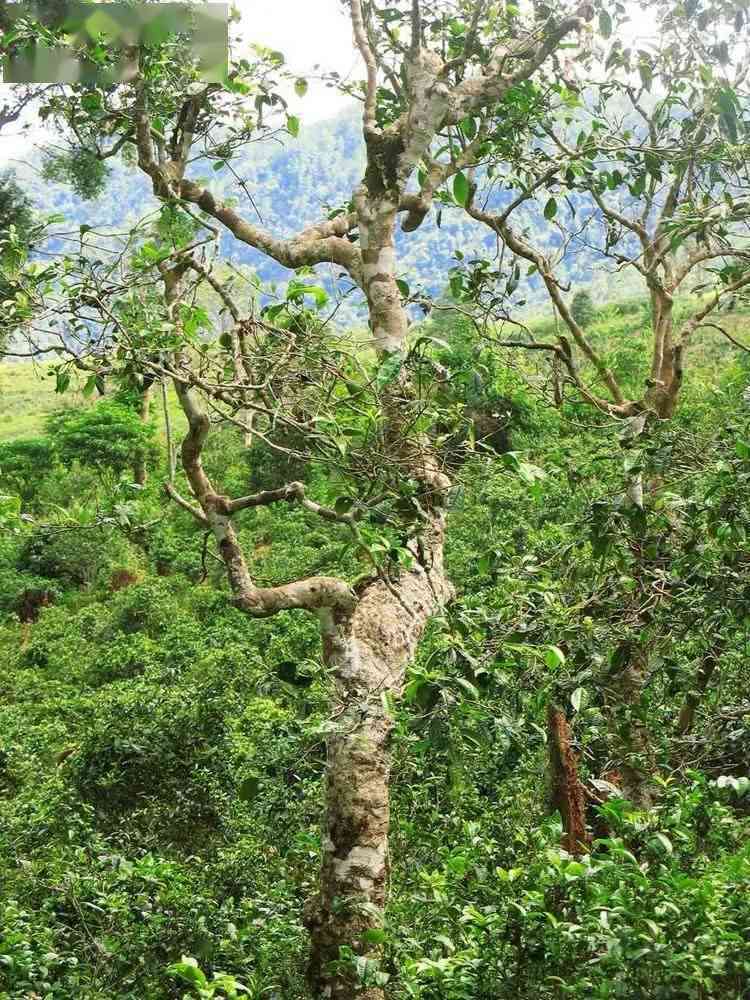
27 397
27 391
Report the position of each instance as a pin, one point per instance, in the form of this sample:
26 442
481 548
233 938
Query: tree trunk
368 650
139 462
622 705
666 365
567 792
706 670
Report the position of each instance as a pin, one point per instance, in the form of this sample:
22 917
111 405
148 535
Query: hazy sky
306 31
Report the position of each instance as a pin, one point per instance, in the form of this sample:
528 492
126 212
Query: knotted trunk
369 650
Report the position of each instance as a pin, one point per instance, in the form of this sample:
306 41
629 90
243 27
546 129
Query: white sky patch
308 32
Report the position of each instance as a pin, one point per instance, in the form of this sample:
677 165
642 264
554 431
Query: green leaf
470 689
727 103
461 189
469 128
550 209
578 698
301 87
653 164
576 869
293 125
403 287
91 102
665 842
188 971
605 24
83 229
10 510
375 935
249 788
389 370
554 657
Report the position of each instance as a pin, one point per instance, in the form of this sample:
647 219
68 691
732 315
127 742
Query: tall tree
432 72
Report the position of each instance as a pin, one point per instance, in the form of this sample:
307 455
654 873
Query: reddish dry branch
31 602
568 795
121 579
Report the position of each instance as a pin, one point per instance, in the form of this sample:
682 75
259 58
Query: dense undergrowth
161 755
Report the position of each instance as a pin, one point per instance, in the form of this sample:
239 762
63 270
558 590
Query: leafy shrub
268 469
86 173
15 582
150 607
176 546
80 556
23 463
150 754
582 308
645 915
106 436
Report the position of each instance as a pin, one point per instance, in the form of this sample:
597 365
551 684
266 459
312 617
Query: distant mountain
292 185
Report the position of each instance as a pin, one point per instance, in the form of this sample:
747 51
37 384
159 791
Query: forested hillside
374 571
294 183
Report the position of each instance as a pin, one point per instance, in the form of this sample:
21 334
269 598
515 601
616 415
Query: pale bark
368 652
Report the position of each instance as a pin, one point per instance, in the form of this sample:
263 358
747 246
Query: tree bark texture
567 792
368 651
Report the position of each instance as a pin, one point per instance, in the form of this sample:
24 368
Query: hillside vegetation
161 755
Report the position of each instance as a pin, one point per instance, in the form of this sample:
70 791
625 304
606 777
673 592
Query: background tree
647 171
15 222
582 308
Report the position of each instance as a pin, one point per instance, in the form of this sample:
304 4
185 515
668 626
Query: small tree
646 172
15 223
582 308
108 436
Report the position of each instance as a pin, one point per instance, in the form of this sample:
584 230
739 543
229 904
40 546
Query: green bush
81 555
106 436
582 308
24 463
